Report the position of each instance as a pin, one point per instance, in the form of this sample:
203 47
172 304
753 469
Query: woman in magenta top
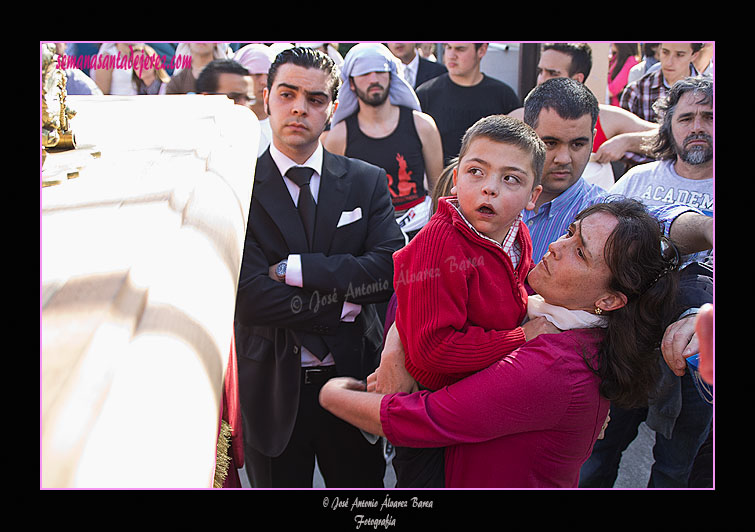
530 420
623 57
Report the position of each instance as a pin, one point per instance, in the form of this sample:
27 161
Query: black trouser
420 467
345 458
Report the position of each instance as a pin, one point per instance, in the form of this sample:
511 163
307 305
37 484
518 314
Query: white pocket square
348 217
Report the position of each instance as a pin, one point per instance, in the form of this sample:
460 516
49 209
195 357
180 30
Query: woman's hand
330 391
346 383
346 398
391 376
537 326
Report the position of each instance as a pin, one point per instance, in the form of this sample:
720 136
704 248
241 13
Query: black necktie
301 176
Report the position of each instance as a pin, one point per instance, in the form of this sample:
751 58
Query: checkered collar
509 239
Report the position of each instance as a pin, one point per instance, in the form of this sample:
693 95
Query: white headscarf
256 58
363 59
332 52
278 47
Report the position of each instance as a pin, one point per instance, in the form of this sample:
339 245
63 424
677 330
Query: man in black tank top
399 153
383 131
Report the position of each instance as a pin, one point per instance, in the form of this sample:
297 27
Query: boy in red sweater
460 282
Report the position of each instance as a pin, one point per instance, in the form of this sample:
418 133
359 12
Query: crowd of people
500 288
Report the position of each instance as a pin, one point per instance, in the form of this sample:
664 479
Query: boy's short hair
508 130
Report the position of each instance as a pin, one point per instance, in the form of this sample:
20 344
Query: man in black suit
417 69
304 309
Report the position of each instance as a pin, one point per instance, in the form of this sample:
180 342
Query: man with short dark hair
226 76
564 60
563 113
463 95
317 257
619 136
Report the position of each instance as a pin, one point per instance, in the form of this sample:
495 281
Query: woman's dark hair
644 267
624 50
308 58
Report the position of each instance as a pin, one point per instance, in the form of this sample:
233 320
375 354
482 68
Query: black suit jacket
428 70
352 262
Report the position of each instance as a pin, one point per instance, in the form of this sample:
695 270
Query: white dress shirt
293 269
410 70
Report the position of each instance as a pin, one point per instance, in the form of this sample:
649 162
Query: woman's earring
598 311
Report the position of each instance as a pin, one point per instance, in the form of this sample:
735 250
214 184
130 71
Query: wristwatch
280 270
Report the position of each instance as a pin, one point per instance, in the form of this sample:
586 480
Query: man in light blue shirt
564 112
549 220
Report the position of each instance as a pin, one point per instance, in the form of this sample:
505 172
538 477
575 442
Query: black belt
317 375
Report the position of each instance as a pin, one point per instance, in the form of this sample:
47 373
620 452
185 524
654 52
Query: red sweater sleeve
441 343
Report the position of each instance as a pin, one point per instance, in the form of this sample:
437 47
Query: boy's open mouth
485 209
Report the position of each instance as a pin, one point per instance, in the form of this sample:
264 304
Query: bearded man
683 171
379 121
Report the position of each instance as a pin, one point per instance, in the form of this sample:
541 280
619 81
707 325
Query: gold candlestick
56 115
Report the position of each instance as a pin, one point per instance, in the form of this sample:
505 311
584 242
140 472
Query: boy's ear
533 199
455 175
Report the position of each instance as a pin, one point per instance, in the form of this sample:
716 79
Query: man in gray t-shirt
683 173
658 183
